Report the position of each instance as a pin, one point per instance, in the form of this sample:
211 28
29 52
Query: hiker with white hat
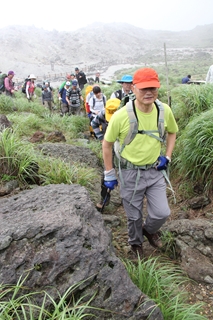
30 87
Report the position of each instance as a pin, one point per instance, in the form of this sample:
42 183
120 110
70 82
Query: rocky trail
197 292
115 218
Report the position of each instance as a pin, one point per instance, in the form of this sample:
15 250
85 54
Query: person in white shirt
98 101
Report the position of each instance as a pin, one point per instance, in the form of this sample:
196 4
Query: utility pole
167 77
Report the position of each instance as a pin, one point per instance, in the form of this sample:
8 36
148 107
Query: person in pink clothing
30 87
9 85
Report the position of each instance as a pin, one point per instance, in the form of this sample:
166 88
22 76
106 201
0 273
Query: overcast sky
69 15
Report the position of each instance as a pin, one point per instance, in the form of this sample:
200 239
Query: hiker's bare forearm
107 154
171 137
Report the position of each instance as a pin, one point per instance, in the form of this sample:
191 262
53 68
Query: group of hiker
130 115
131 126
70 95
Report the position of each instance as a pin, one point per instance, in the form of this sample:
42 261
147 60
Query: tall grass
20 104
194 150
16 302
6 104
189 101
28 123
17 158
56 171
165 284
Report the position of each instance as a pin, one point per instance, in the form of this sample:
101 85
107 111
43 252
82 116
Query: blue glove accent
162 163
89 115
111 184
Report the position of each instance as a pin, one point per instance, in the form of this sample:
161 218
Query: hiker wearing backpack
47 85
2 78
30 87
9 85
81 78
64 105
97 77
47 97
97 102
99 125
142 168
126 82
74 98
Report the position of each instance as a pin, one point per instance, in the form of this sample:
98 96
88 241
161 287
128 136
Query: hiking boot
154 238
99 205
137 250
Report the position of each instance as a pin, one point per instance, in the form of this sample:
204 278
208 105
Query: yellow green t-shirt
143 149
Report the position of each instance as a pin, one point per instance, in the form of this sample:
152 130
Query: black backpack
83 79
23 88
2 77
118 94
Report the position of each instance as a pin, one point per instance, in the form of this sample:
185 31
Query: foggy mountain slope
32 50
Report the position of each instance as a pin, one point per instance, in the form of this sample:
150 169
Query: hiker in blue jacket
186 79
62 98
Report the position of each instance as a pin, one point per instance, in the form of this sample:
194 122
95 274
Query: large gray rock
56 234
194 240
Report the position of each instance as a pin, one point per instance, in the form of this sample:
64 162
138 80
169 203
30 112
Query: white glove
34 95
59 98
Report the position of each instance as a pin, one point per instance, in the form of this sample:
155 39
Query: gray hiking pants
75 110
139 184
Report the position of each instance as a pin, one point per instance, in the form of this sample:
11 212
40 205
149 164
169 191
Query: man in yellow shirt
141 163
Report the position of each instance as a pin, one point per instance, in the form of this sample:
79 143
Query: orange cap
146 78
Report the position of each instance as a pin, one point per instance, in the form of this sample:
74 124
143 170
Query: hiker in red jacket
30 87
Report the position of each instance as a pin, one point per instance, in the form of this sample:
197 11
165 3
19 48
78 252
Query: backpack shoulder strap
104 100
118 94
161 127
133 123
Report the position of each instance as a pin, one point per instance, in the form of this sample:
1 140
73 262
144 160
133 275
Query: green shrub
189 101
6 104
194 150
